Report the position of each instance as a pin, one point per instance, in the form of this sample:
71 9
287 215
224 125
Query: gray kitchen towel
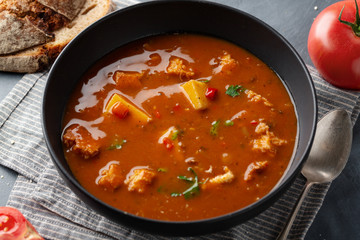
42 196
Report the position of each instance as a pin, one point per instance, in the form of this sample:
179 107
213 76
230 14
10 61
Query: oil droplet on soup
179 127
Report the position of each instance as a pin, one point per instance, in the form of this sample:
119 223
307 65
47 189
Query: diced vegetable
211 93
168 143
195 93
134 111
119 109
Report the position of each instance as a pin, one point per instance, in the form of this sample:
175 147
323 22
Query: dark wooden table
339 216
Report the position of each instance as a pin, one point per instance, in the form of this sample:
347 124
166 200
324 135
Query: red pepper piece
168 143
120 110
211 93
177 107
157 114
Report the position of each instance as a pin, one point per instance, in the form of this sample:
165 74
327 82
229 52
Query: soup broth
179 127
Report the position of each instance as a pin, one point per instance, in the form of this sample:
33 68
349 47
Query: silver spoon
327 158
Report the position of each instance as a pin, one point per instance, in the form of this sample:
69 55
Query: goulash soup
179 127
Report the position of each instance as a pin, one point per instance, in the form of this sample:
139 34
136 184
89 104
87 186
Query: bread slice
40 57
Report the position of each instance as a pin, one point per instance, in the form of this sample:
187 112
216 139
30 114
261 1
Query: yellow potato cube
195 93
134 111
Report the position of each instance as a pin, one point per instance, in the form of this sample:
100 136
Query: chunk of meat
128 79
262 128
227 63
227 177
254 97
177 67
111 178
253 168
267 142
80 141
139 179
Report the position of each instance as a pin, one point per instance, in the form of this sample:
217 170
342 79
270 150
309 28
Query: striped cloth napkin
42 196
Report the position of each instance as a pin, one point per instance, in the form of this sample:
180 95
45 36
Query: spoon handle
285 232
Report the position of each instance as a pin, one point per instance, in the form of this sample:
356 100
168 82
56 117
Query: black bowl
160 17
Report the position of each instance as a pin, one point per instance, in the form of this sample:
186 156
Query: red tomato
334 47
14 226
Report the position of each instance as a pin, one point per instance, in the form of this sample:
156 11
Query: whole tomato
334 44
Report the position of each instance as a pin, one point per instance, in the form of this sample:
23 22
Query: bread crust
40 57
17 34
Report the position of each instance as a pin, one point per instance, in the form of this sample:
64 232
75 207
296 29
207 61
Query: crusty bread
40 57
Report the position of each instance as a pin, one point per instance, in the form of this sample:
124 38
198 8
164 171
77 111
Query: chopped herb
117 144
204 80
232 90
161 170
176 194
175 135
191 191
214 127
229 123
185 178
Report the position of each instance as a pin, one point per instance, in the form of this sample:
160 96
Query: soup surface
179 127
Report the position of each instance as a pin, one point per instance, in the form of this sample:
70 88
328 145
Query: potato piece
195 93
135 112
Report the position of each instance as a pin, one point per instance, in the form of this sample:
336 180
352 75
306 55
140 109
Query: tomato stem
356 25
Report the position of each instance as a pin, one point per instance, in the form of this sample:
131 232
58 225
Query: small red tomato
168 143
14 226
334 44
211 93
120 110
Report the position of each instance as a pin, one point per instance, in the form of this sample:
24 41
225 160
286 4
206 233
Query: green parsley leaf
191 191
214 128
232 90
186 178
161 170
229 123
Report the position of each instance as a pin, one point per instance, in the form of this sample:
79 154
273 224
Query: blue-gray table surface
339 216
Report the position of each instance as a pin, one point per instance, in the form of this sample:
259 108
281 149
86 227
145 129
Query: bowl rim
245 210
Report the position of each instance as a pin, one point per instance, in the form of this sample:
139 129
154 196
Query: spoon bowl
331 148
327 158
